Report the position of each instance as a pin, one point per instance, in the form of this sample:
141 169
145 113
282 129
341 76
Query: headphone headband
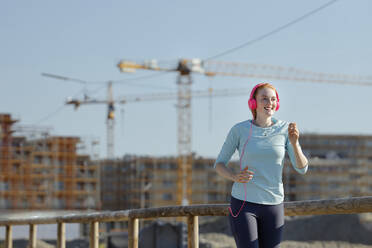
254 89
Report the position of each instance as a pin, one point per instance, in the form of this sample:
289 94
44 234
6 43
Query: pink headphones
252 103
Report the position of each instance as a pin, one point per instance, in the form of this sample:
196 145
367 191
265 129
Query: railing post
32 238
94 235
133 233
61 238
8 237
193 231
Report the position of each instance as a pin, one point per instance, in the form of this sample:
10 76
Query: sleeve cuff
302 170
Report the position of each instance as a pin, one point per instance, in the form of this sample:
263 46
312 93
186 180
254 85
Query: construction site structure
340 166
40 171
185 67
142 182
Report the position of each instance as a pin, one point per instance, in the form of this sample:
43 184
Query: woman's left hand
293 133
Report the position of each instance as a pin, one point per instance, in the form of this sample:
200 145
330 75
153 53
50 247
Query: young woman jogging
256 208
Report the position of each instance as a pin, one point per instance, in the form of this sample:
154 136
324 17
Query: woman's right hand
244 176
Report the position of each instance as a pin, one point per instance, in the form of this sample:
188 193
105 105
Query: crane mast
110 122
184 134
184 118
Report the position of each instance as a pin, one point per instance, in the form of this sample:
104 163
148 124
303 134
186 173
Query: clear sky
86 39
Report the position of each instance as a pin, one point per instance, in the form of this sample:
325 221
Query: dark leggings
257 225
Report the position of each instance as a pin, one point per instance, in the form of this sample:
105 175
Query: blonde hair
264 85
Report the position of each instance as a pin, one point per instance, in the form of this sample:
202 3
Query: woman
256 208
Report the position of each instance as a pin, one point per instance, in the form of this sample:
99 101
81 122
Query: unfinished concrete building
141 182
340 166
138 182
44 172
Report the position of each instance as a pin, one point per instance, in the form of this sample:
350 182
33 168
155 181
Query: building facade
340 166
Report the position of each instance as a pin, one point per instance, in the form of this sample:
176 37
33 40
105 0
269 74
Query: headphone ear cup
277 106
252 104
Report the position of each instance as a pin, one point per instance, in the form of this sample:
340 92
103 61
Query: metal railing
296 208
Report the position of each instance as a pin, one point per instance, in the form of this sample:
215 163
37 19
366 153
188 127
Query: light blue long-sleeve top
264 155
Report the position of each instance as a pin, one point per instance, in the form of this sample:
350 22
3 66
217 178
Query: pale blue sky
85 40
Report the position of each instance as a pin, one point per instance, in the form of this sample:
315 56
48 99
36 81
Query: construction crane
110 118
109 101
185 67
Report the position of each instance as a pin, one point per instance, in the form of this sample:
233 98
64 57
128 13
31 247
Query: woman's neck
263 122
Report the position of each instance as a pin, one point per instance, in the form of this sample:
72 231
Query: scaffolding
40 171
8 181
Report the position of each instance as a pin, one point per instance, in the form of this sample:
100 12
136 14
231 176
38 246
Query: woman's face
266 102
